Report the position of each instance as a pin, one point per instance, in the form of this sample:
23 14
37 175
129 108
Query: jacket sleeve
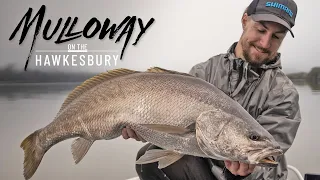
281 117
199 70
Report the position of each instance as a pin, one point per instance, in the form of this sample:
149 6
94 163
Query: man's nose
265 41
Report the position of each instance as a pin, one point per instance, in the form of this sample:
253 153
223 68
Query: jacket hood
276 63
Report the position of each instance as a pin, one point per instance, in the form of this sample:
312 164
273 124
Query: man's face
260 41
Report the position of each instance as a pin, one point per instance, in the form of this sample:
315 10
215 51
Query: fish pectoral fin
79 148
168 128
163 157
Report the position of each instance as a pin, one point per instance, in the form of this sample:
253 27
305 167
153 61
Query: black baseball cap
280 11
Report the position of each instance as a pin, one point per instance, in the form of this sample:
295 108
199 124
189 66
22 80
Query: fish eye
254 137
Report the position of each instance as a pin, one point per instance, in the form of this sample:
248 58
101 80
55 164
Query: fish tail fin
33 154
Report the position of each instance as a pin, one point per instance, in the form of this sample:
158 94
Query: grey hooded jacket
265 92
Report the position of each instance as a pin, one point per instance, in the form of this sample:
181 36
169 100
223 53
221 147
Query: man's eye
274 36
261 30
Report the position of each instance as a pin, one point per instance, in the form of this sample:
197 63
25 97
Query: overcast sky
184 32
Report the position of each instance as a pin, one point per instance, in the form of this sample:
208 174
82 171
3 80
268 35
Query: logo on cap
280 6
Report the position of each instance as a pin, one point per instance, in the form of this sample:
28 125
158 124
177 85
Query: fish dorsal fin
94 81
162 70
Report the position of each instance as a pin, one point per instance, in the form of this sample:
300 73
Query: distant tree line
9 75
312 76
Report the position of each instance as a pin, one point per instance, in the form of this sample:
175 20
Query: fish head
224 136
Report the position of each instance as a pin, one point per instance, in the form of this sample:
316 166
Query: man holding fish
250 73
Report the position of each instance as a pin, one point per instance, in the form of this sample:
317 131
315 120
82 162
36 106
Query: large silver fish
180 113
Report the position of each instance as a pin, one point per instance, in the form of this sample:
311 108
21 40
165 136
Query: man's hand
129 133
239 168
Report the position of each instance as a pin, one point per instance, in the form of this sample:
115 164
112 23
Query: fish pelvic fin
94 81
163 157
162 70
33 154
79 148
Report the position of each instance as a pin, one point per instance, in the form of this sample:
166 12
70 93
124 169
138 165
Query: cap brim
273 18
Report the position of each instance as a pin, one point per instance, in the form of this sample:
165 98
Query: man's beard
248 58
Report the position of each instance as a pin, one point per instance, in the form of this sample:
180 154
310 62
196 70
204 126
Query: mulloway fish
182 114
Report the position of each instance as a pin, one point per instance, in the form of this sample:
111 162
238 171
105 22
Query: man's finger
132 134
234 167
125 134
227 164
251 168
243 169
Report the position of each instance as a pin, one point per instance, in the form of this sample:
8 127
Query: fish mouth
268 159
